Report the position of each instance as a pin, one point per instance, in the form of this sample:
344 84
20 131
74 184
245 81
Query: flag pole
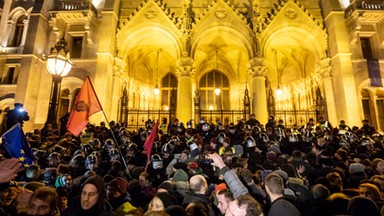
148 145
113 135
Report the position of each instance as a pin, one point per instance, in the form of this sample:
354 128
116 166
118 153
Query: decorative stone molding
150 13
290 14
324 68
221 13
119 68
258 71
256 67
185 65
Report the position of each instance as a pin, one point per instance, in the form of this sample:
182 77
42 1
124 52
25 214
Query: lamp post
58 65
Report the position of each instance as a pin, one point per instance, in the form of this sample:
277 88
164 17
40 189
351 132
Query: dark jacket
190 197
282 206
101 208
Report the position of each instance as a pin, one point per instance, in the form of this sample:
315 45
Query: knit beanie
356 168
180 175
220 187
120 184
59 181
169 186
166 198
264 174
282 174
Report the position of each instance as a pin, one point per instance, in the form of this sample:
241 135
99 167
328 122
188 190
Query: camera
206 159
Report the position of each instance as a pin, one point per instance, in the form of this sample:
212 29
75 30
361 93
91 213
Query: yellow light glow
211 107
279 91
217 91
344 3
165 108
156 90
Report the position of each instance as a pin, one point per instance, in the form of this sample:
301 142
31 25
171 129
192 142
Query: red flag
86 104
148 145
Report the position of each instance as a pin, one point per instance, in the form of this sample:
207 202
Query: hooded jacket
101 208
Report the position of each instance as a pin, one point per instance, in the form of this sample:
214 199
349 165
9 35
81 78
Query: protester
285 171
91 200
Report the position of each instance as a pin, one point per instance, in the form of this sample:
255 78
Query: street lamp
156 90
58 65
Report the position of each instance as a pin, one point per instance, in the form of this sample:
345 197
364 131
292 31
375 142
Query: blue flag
16 145
374 72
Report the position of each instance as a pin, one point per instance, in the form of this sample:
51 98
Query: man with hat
252 120
367 128
343 126
117 196
16 115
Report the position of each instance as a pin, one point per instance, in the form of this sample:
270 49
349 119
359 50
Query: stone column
118 72
325 70
258 90
4 23
184 91
25 31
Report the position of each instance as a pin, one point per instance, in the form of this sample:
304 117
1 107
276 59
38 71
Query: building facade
324 58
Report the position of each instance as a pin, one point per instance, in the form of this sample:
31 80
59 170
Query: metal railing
364 5
224 116
295 117
137 118
63 5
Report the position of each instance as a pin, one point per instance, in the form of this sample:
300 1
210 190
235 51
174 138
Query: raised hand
9 169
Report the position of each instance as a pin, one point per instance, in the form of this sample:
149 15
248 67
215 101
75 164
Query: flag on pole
16 145
374 72
86 104
148 145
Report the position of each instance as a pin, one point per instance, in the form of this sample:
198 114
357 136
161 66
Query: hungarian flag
148 145
86 104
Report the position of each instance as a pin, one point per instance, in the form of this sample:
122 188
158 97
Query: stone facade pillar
25 30
4 23
258 90
325 70
117 82
184 91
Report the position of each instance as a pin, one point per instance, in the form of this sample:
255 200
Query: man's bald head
198 184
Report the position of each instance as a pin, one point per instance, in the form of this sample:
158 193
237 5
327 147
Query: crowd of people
209 169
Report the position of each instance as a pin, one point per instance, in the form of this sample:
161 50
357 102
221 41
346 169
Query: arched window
18 32
207 85
168 91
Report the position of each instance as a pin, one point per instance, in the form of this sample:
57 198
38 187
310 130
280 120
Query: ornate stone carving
186 20
290 14
185 65
119 67
151 13
258 71
256 67
324 68
221 13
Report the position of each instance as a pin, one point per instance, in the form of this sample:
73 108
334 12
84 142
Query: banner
374 72
148 145
86 104
16 145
